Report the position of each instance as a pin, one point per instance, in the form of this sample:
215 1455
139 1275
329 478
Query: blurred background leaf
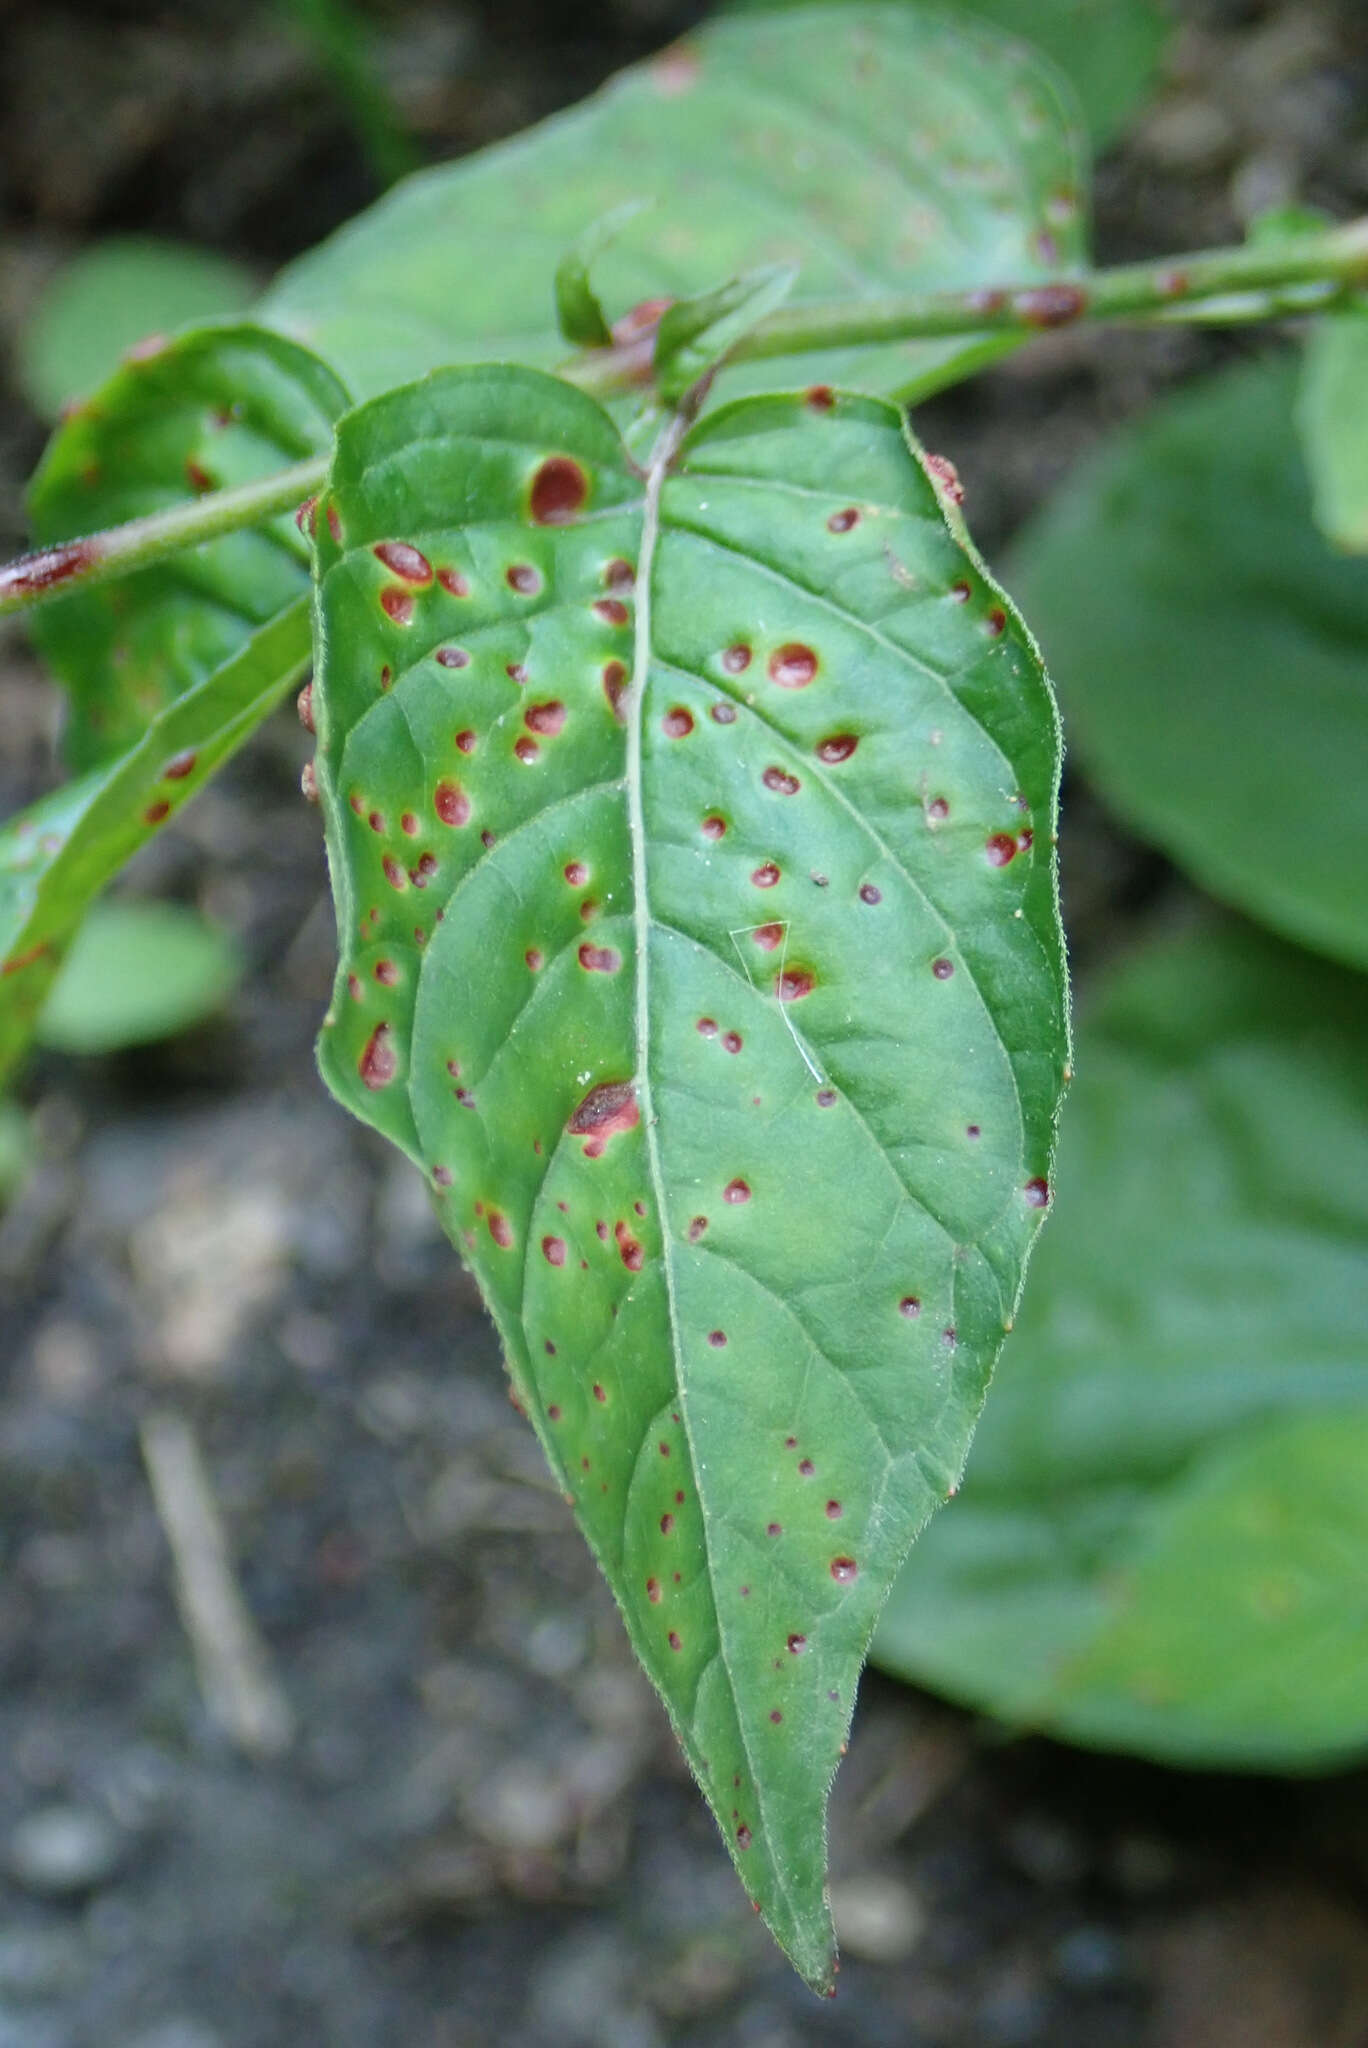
1333 415
137 972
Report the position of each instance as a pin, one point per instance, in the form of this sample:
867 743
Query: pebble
40 1963
878 1917
61 1851
1089 1958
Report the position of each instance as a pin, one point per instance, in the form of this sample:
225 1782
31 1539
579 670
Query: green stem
1309 273
52 572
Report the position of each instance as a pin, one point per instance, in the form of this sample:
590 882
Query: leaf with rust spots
727 1037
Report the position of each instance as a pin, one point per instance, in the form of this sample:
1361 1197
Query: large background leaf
1333 414
879 148
1212 653
56 857
725 1017
217 406
1161 1540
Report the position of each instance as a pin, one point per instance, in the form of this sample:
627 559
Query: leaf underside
722 1007
879 148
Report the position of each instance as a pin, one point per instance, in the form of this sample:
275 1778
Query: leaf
115 293
58 856
579 314
695 334
1331 414
137 972
1109 50
1210 652
216 406
642 979
881 148
1159 1546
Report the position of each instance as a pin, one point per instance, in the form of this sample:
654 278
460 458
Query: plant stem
1305 274
52 572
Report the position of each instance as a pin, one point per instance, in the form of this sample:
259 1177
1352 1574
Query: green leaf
880 148
116 293
1160 1543
1109 50
695 334
1332 413
217 406
1210 651
642 974
57 856
579 313
137 972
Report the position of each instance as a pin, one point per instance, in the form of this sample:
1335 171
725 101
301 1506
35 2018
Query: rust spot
995 623
198 478
826 1098
1037 1193
397 604
724 714
559 491
1000 849
500 1229
959 593
526 750
453 582
768 936
838 747
673 1640
304 707
611 610
386 973
844 1569
394 872
533 959
451 657
379 1062
820 398
548 718
780 781
451 803
335 523
677 723
794 983
792 666
19 961
697 1226
179 766
869 894
942 969
308 783
619 575
796 1645
154 813
842 522
910 1305
736 1191
614 687
1050 305
736 659
553 1250
306 516
47 567
945 477
629 1250
765 876
731 1041
743 1836
403 561
605 1112
599 959
713 827
717 1338
523 578
653 1591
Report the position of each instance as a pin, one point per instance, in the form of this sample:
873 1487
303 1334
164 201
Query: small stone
1089 1958
878 1918
62 1851
38 1964
1188 134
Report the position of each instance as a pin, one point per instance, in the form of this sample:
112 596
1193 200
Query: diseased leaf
1160 1542
137 972
723 1008
880 148
1332 412
1210 651
217 406
57 857
114 294
695 334
579 313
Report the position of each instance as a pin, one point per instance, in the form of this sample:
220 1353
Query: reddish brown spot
394 872
629 1249
451 803
973 1131
806 1468
1025 841
743 1836
780 781
677 723
960 593
487 838
304 707
17 962
553 1412
653 1591
826 1098
306 518
599 959
713 827
1050 305
794 983
614 686
666 1524
611 610
589 909
736 659
792 666
403 561
386 676
869 894
1172 283
553 1250
420 874
1000 849
696 1228
1037 1193
724 714
335 524
523 578
768 936
559 491
308 783
451 657
844 1569
938 809
465 741
198 478
910 1305
601 1230
154 813
820 397
834 1511
500 1229
707 1027
619 575
796 1645
766 876
376 821
398 604
599 1394
736 1191
386 973
533 958
47 567
731 1041
546 718
605 1113
774 1528
942 969
838 747
354 988
526 750
717 1338
842 522
379 1062
442 1176
408 825
453 582
673 1640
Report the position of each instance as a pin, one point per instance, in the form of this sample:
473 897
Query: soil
479 1830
